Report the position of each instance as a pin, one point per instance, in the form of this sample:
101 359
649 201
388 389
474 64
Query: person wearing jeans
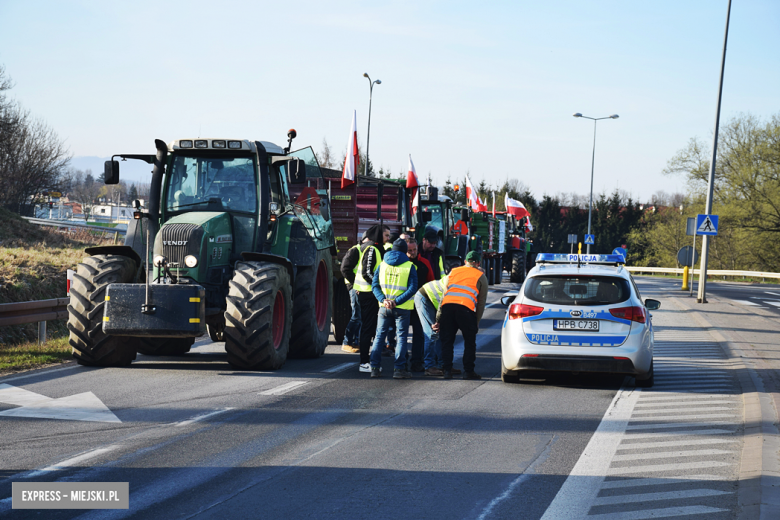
393 286
352 332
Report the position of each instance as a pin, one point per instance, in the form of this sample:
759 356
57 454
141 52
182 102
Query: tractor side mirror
296 171
464 215
111 172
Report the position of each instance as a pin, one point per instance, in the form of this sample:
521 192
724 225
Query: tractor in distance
220 248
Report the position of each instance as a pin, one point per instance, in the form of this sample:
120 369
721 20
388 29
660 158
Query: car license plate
582 325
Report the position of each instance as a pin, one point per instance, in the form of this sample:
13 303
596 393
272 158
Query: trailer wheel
164 346
91 346
517 272
490 270
342 310
312 308
258 316
499 270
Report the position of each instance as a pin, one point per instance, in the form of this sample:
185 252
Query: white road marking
666 512
201 417
666 410
772 293
669 495
669 454
677 406
745 302
283 389
38 373
675 425
641 482
583 483
72 462
776 304
686 417
665 435
668 467
339 368
79 407
665 444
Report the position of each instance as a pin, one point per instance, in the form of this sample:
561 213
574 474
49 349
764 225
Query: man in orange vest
461 309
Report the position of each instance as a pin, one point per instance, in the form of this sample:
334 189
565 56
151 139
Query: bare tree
325 158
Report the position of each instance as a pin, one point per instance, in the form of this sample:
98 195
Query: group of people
393 284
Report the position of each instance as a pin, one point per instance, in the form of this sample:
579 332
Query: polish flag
411 175
528 226
471 195
482 205
516 208
416 201
494 204
352 159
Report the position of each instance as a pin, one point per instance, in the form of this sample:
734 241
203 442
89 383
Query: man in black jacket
360 274
349 266
431 252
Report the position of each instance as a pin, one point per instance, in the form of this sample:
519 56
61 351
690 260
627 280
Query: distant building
111 213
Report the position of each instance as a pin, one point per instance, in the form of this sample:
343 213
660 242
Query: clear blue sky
488 87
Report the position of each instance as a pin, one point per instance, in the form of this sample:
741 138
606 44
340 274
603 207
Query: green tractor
438 211
222 249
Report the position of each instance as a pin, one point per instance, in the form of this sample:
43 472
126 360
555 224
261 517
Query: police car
578 313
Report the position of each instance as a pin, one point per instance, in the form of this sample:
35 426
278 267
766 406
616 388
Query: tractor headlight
190 261
159 261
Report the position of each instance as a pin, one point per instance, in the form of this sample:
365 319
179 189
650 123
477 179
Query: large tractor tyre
258 316
91 346
164 346
517 270
490 270
342 310
312 308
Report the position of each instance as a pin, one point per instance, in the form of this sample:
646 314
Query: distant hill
130 171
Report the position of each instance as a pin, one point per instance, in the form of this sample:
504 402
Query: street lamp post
370 95
592 164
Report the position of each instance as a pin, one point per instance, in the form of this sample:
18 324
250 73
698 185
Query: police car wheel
649 381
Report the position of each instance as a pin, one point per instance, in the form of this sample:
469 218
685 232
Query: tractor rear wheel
91 346
342 310
312 308
517 271
258 316
164 346
498 272
490 270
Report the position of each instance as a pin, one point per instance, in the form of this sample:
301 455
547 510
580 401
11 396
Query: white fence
710 272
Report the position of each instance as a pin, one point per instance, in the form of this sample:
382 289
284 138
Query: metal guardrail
71 224
710 272
39 311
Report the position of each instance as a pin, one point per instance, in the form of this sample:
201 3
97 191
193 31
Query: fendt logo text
174 242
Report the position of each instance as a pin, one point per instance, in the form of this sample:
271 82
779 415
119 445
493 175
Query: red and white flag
482 204
494 204
411 175
528 226
352 159
471 195
412 182
516 208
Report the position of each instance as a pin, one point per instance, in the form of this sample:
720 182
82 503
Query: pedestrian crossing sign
590 239
707 225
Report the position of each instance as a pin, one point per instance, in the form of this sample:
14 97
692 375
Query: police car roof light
555 258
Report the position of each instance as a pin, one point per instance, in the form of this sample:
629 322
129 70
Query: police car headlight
159 261
190 261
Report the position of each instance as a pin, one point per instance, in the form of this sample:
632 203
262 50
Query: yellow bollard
579 248
685 278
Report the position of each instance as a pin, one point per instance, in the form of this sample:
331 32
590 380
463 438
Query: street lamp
592 164
370 95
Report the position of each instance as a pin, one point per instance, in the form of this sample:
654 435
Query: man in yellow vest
394 285
461 309
370 257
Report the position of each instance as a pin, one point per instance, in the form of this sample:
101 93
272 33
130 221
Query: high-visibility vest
388 246
355 270
435 291
360 284
394 281
462 287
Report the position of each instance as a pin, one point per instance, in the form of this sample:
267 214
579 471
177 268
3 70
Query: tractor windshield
436 215
211 183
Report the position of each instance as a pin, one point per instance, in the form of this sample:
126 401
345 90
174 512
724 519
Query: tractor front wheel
91 346
258 316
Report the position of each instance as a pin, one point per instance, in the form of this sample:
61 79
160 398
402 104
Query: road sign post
707 226
572 241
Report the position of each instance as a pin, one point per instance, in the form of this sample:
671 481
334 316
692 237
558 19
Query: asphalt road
318 439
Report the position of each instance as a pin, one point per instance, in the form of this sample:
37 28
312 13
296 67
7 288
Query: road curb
758 492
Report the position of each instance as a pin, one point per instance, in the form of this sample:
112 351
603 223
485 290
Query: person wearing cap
461 309
394 285
432 253
371 254
426 304
349 269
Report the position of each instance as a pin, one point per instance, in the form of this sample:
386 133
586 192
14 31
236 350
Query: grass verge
32 355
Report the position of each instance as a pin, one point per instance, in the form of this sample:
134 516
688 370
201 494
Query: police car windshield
225 182
577 290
